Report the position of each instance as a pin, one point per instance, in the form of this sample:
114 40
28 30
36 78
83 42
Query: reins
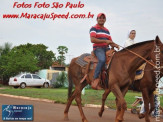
154 66
140 57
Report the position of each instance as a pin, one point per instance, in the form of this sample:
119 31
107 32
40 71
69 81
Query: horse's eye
162 51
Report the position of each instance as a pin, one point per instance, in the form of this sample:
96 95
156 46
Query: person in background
157 103
130 38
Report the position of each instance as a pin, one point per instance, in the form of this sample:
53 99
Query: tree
61 59
16 61
24 58
5 49
62 50
45 58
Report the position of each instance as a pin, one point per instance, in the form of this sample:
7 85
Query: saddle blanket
140 72
80 61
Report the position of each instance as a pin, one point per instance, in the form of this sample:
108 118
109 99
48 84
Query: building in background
53 72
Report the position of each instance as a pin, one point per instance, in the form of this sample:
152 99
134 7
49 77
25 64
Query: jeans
100 54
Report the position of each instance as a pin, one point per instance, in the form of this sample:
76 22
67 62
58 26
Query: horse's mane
135 45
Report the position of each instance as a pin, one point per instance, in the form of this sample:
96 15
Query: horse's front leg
106 93
124 91
117 92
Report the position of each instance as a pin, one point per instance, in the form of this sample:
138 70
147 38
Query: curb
28 98
94 106
46 100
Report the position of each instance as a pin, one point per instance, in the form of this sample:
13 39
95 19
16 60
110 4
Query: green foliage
61 80
61 59
45 58
62 50
16 61
5 49
24 58
60 95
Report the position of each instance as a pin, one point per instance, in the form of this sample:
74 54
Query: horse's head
157 51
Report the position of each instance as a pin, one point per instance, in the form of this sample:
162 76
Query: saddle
92 59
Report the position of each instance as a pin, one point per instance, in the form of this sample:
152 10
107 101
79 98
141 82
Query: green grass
60 95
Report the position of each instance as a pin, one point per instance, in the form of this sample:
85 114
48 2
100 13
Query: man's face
101 20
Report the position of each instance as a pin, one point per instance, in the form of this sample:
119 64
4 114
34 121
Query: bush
61 80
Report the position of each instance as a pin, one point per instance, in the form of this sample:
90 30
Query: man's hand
114 45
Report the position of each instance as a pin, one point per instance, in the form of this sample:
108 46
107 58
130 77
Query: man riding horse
101 38
121 70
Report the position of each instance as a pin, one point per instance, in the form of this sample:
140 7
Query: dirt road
50 112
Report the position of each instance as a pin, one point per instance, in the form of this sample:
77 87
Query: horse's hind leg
106 93
152 104
78 101
146 103
74 95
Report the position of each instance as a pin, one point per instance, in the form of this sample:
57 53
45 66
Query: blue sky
145 16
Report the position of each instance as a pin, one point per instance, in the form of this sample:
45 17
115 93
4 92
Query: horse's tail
70 85
70 81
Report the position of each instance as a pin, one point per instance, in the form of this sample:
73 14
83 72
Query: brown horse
146 85
121 72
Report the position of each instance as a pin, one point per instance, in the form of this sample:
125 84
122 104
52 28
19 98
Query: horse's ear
158 41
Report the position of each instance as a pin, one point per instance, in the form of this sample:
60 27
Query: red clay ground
50 112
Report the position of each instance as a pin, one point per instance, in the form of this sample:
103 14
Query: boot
95 84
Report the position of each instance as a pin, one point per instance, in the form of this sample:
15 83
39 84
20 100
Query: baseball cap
100 14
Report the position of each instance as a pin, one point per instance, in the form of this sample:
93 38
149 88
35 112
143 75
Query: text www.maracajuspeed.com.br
44 16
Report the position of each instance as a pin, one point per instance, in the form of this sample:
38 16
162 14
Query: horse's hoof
85 120
100 114
66 117
147 120
141 116
118 120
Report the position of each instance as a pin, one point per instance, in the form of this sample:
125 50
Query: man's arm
109 42
96 41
